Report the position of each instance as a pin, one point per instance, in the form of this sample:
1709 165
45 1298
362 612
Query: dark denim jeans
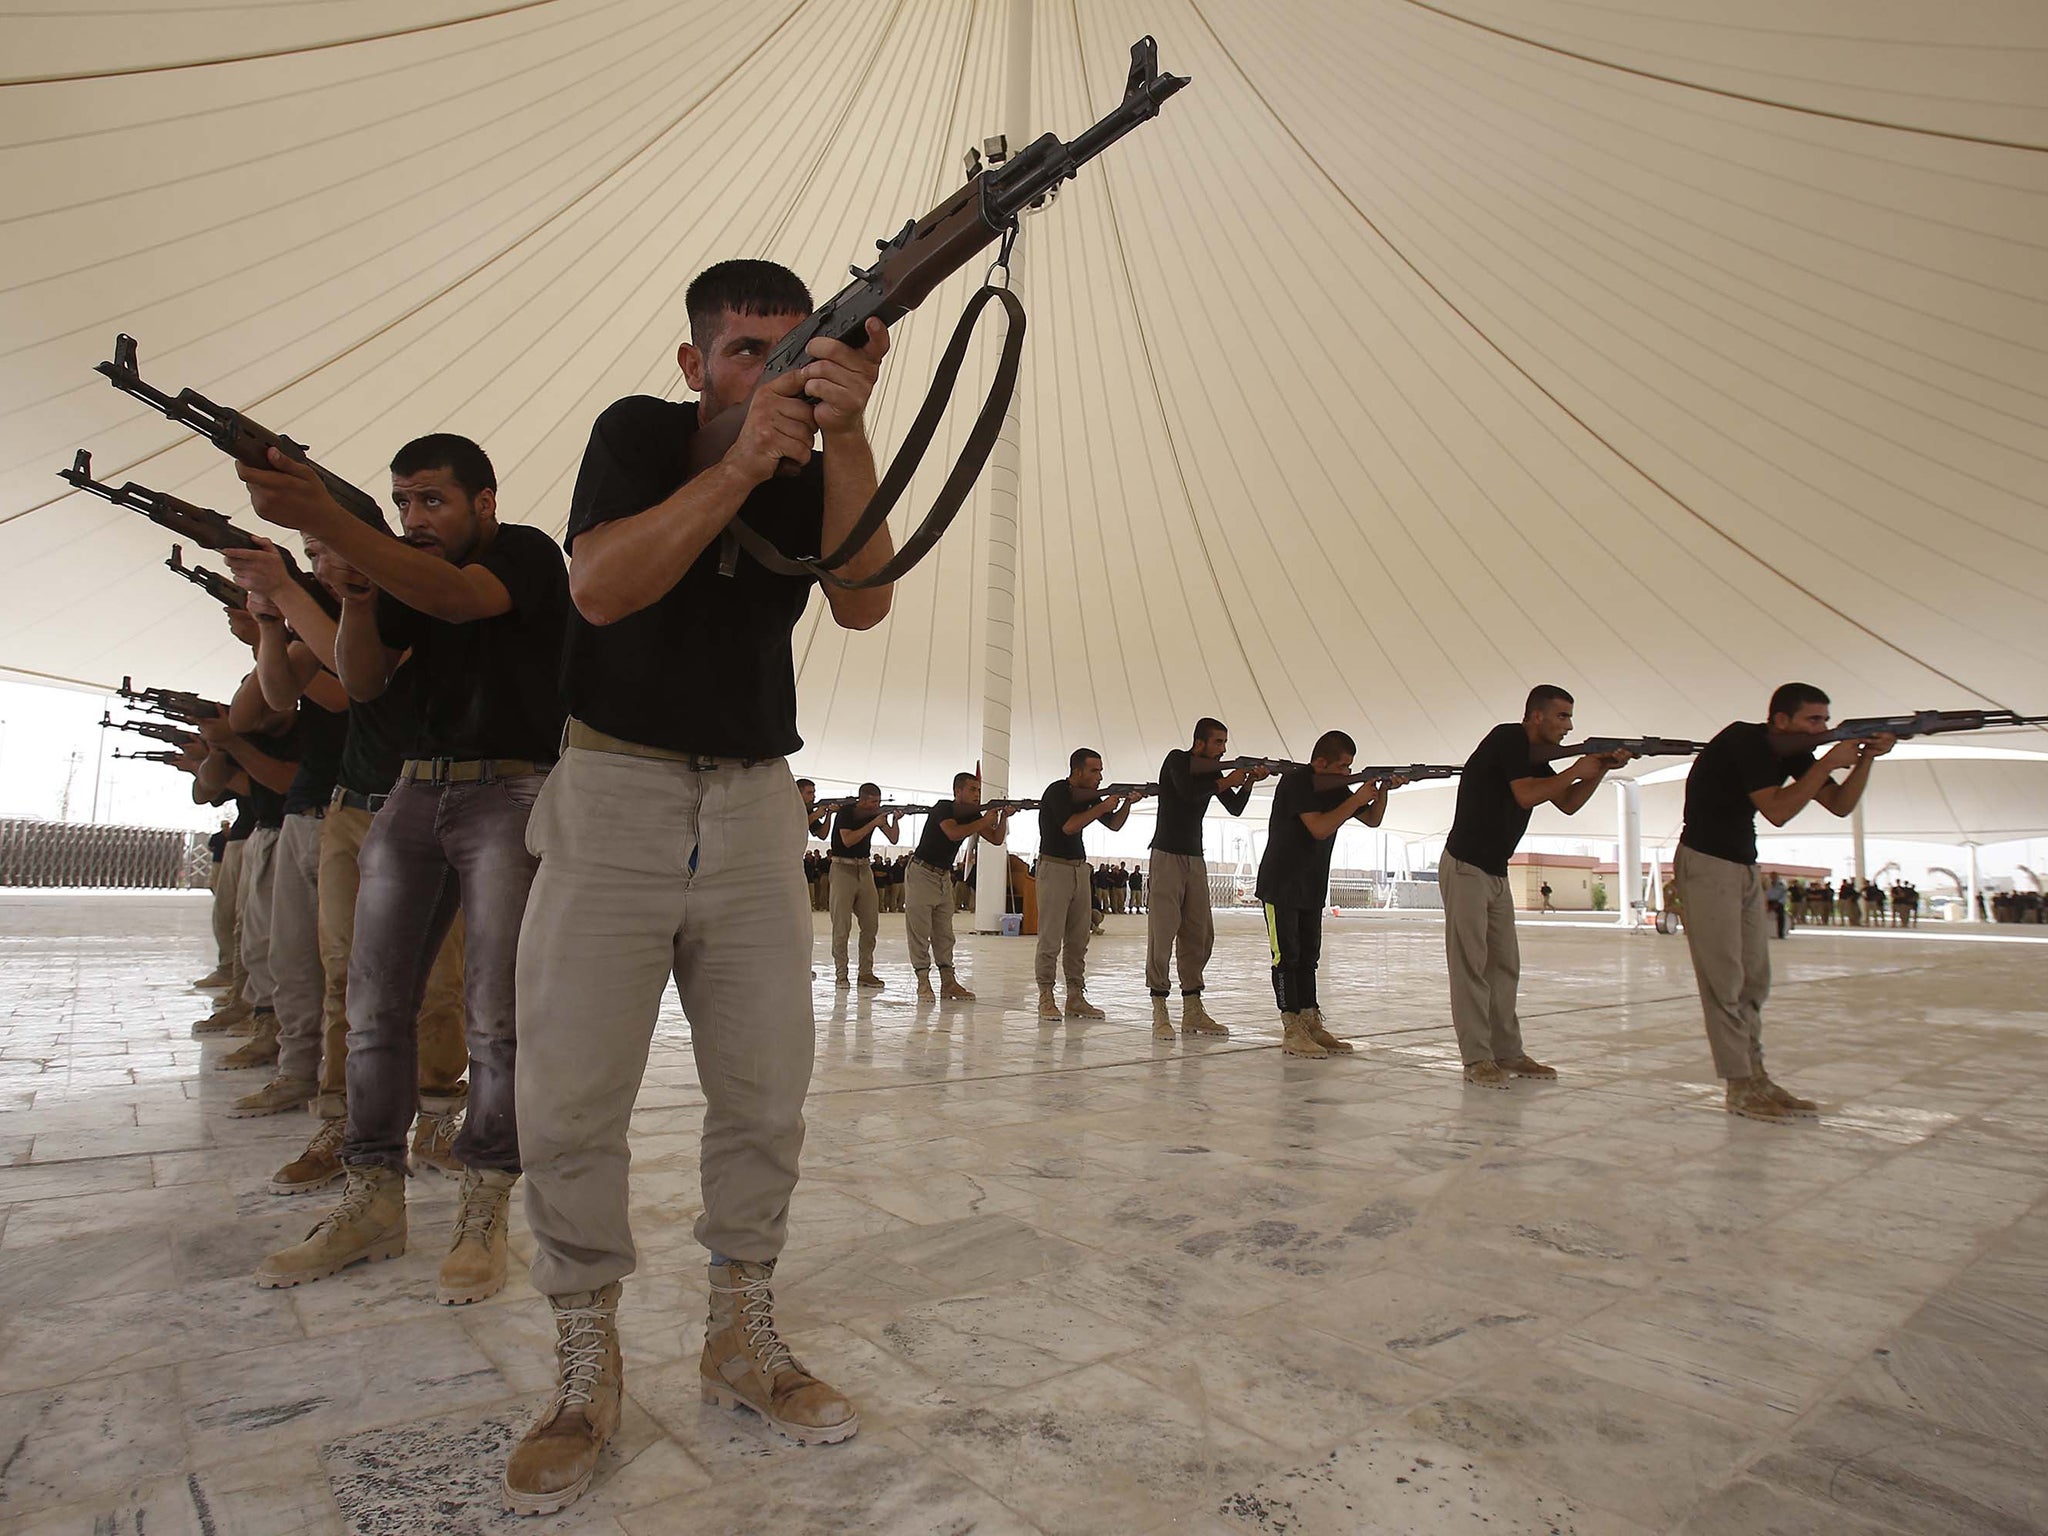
432 848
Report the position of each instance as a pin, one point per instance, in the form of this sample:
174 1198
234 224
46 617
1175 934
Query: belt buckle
437 771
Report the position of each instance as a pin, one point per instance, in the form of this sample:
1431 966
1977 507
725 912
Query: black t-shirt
933 846
1489 822
707 667
860 848
1295 870
380 734
321 735
245 816
267 805
492 687
1055 806
1720 818
1184 797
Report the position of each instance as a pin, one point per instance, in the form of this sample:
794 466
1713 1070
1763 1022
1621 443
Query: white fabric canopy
1416 354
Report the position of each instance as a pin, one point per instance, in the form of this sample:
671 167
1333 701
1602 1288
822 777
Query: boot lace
328 1138
580 1338
754 1315
480 1211
356 1196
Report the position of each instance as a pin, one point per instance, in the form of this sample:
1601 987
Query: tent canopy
1417 353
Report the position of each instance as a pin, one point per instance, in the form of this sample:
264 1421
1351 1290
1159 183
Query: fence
63 853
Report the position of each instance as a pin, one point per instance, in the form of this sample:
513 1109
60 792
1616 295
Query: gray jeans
1064 909
1179 919
432 848
1485 958
648 870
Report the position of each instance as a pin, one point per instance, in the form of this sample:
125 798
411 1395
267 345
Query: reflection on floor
1080 1282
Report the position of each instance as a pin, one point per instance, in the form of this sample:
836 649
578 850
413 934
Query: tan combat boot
229 1017
1295 1040
1078 1006
871 981
925 994
1195 1019
551 1465
213 980
367 1225
1048 1005
261 1049
746 1364
274 1098
316 1167
475 1267
1487 1074
1162 1021
1748 1097
1791 1103
1312 1022
1526 1065
950 989
433 1142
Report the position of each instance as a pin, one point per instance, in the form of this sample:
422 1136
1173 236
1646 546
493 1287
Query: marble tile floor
1082 1282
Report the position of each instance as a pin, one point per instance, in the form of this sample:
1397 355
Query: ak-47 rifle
155 729
1412 772
1930 722
1009 805
212 583
921 255
202 525
1635 746
148 757
1128 791
174 702
230 431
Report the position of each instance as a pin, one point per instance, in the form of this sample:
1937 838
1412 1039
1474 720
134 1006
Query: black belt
358 802
482 770
937 869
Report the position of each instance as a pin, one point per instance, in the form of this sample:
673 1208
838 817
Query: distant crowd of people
2018 907
1804 903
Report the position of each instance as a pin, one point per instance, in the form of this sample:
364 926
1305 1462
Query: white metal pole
1858 849
1005 475
1628 875
1970 913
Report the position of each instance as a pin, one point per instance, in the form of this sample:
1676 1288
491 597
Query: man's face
439 516
1212 747
332 572
809 791
1338 765
1088 777
1806 720
724 367
1552 722
967 794
870 800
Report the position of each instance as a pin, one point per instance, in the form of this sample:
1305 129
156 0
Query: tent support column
1005 471
1972 896
1860 851
1628 863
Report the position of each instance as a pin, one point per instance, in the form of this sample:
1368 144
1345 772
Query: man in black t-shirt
1744 770
669 841
480 606
1066 883
1506 777
1180 919
373 747
1309 807
928 883
854 891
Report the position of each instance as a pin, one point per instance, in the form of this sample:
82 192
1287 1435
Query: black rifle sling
952 496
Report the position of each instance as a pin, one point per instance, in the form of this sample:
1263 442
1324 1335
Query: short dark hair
1542 694
1793 697
1079 756
1207 727
1332 744
800 783
745 287
463 459
871 789
969 777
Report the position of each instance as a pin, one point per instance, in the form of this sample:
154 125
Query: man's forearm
415 578
1573 800
309 621
620 567
1850 790
273 773
274 666
849 487
361 659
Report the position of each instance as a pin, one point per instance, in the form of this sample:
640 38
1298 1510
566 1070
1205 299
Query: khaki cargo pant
227 919
1485 959
252 905
648 870
1179 919
1065 907
1728 930
443 1052
928 916
295 947
853 894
